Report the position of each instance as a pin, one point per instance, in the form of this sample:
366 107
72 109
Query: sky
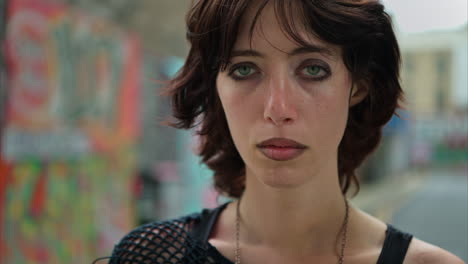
413 16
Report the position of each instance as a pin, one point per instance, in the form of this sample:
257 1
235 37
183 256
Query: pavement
430 204
382 198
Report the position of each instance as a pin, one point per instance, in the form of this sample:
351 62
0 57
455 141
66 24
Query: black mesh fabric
167 242
185 241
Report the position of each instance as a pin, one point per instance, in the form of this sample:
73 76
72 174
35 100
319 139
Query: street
438 211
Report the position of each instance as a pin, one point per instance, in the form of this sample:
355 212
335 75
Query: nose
280 108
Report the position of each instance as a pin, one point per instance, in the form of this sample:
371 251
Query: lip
281 149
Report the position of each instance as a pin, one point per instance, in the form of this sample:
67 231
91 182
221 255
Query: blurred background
84 159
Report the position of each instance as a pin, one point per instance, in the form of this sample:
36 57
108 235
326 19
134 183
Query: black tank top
394 249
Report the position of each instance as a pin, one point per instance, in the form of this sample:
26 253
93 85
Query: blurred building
434 72
435 81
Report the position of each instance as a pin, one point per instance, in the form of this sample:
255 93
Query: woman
289 97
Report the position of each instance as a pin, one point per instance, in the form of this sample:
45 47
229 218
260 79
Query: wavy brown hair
361 28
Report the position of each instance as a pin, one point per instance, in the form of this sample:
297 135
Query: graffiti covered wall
67 157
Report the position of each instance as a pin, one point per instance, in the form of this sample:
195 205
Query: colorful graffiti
64 212
68 74
67 159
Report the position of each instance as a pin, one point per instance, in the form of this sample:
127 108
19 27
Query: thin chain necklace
343 240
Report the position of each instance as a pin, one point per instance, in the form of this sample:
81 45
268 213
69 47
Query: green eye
313 70
244 71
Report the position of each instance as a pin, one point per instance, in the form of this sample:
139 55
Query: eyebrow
297 51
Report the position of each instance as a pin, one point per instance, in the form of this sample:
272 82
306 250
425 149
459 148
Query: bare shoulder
420 252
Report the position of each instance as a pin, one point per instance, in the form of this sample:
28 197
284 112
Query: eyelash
324 68
235 67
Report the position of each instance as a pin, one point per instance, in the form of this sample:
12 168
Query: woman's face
275 89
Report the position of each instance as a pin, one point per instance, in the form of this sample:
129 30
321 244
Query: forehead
280 26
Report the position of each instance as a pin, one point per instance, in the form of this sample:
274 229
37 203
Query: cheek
334 116
239 125
331 114
239 100
334 104
236 108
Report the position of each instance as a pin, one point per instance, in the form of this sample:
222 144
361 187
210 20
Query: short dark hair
361 28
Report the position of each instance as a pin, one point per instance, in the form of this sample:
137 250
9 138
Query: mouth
281 149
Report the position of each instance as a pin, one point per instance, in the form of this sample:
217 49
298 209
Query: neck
308 218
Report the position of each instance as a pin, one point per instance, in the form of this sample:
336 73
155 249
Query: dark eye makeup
242 71
309 70
314 70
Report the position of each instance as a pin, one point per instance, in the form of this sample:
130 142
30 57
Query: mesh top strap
202 229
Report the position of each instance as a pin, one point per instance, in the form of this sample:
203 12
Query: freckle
321 106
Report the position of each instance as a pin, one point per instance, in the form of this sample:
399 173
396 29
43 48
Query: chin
281 178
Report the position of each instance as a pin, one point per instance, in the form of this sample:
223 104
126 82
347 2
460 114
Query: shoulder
155 242
420 252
